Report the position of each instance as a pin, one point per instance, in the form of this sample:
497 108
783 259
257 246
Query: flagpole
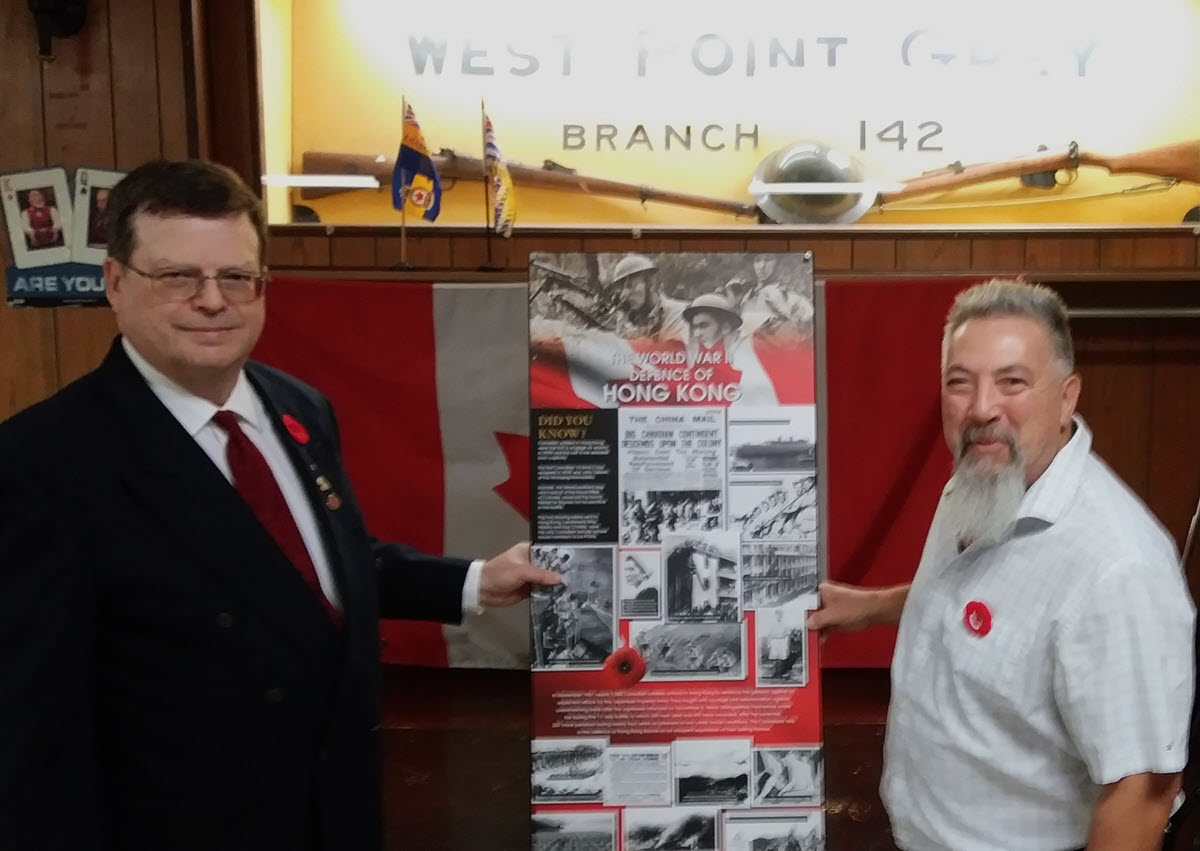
487 187
403 189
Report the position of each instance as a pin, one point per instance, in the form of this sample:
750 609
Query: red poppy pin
624 667
295 429
977 618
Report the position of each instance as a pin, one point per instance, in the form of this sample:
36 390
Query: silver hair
1012 297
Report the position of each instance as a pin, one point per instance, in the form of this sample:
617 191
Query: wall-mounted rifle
844 197
551 175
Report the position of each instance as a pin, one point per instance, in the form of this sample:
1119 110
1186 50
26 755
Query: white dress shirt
1002 740
196 416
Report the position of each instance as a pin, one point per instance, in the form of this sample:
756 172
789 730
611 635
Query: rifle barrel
460 167
1180 161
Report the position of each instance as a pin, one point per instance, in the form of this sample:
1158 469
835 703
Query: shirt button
225 620
274 695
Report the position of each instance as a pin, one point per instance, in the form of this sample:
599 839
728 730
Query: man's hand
506 579
846 608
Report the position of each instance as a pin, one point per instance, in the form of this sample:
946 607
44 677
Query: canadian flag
430 385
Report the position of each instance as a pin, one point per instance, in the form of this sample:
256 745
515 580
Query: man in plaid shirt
1044 668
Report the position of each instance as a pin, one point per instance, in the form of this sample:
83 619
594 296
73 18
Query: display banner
674 485
935 111
57 235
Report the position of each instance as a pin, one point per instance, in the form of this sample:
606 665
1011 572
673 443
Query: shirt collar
192 411
1052 494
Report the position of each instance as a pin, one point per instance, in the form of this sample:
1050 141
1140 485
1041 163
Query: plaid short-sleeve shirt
1076 670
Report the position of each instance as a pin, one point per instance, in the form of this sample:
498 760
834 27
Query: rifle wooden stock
1180 161
459 167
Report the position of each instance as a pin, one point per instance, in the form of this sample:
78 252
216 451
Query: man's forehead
1019 339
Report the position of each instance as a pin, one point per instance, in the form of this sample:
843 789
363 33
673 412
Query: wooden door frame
221 39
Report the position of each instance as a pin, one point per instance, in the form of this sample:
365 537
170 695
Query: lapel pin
323 484
295 429
333 502
977 618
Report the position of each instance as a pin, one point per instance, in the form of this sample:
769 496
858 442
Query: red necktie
256 483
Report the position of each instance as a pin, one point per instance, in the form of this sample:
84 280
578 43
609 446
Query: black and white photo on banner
777 572
657 829
574 831
776 508
574 622
703 577
568 770
782 644
788 776
712 771
640 584
779 439
671 470
778 830
690 651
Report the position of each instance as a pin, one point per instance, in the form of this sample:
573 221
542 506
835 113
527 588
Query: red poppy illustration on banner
674 487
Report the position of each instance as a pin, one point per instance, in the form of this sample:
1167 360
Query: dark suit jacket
167 679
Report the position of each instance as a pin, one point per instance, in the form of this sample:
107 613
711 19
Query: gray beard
981 503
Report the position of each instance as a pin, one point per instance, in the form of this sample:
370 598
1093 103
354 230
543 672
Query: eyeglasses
184 284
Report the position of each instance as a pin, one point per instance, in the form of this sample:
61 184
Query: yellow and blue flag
415 184
504 200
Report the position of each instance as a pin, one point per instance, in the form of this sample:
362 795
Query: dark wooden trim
1144 255
412 276
760 232
227 96
194 90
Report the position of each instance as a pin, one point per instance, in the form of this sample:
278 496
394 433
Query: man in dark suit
189 598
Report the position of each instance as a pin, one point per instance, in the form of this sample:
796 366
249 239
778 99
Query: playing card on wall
89 241
37 215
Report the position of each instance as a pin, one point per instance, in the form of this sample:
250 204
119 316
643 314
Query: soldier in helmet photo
639 310
717 342
713 326
769 302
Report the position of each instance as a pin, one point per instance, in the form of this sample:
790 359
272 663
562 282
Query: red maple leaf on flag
515 490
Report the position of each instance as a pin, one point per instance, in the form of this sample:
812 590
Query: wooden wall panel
829 255
872 254
298 252
170 62
419 251
702 242
356 252
1065 253
1149 252
80 112
1115 359
113 97
471 250
928 256
77 95
137 128
1175 448
28 367
989 255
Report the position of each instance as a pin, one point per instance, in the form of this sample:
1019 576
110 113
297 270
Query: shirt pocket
993 666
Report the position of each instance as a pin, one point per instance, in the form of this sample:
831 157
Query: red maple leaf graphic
515 490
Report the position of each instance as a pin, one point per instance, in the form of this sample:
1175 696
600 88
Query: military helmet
713 303
631 264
